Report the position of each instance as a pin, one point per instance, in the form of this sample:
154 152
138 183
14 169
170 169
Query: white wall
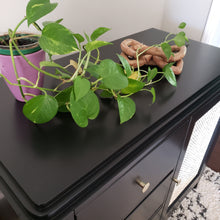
12 12
193 12
211 33
122 16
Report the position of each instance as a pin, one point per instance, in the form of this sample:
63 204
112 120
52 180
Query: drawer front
152 203
157 215
120 198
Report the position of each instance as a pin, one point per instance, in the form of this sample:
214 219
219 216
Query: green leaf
169 74
59 21
125 64
79 38
92 69
106 94
63 98
78 112
182 25
151 73
112 74
186 38
93 45
127 108
87 37
133 86
50 64
84 109
81 87
152 90
36 9
102 86
41 109
91 102
180 39
49 22
98 32
53 64
63 75
167 50
57 40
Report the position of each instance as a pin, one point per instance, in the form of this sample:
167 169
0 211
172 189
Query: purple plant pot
24 70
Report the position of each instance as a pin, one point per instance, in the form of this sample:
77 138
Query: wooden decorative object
153 56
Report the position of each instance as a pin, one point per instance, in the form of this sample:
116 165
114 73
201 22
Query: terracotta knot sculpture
153 56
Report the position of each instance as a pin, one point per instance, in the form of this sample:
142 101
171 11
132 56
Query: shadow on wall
211 33
192 32
187 11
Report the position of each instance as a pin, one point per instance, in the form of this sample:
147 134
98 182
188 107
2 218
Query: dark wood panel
125 194
152 203
50 169
157 215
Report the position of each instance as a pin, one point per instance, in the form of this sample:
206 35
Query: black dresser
109 171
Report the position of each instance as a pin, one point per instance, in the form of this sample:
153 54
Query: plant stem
32 65
29 94
156 81
12 36
155 45
38 78
28 81
96 82
139 54
114 94
98 56
37 26
80 54
86 64
3 42
16 28
130 94
12 56
77 70
148 90
62 83
15 70
26 36
26 86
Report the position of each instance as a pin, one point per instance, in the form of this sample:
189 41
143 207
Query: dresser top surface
41 162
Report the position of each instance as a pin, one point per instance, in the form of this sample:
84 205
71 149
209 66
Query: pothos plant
91 73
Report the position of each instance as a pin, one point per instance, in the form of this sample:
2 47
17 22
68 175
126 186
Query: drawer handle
143 185
176 181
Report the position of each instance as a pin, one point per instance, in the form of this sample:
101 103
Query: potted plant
16 69
91 74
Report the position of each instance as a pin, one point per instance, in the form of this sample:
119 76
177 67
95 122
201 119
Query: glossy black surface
124 194
46 167
151 204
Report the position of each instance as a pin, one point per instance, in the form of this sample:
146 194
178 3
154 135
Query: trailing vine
91 74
